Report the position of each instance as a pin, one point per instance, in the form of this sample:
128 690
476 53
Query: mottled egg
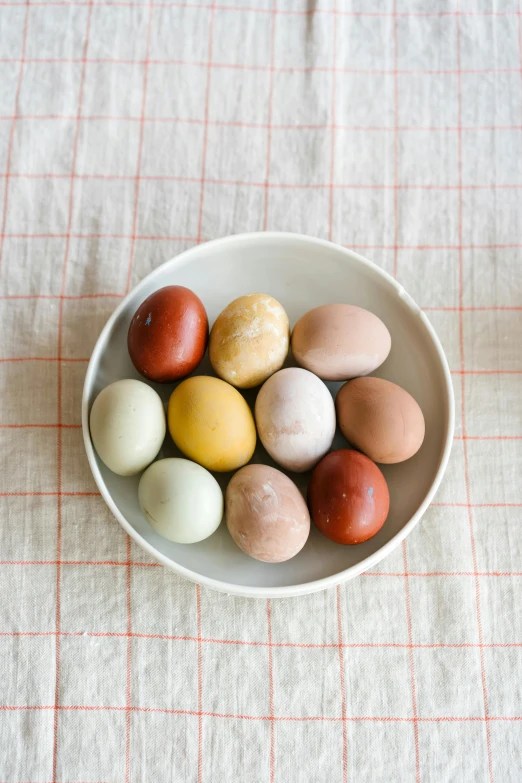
168 334
380 418
266 514
127 424
295 418
181 500
340 341
348 497
249 340
211 423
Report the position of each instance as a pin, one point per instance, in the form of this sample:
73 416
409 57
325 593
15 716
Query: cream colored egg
127 424
295 417
181 500
249 340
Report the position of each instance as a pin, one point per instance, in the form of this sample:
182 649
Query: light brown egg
340 341
249 340
295 418
380 419
266 514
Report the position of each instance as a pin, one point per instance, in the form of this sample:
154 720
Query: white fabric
130 131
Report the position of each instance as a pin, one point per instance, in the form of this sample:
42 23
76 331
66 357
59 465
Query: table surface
130 131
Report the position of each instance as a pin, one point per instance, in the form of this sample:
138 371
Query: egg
266 514
340 341
168 334
181 500
295 418
380 419
348 497
211 423
249 340
127 424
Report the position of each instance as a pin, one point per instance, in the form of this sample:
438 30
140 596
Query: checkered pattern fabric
132 130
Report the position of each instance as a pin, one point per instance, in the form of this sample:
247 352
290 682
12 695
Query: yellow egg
211 423
249 340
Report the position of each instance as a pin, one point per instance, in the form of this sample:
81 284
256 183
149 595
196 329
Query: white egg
295 417
181 500
128 426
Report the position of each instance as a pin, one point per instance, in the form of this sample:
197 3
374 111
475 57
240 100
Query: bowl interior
301 273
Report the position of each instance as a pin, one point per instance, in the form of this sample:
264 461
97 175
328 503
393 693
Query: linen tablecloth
130 131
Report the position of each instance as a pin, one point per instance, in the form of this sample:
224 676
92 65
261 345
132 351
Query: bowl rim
285 590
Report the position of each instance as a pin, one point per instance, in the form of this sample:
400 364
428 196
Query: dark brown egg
348 497
168 334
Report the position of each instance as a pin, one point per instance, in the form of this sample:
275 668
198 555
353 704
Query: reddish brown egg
168 334
348 497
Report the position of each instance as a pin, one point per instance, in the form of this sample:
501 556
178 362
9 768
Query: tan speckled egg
380 419
249 340
266 514
340 341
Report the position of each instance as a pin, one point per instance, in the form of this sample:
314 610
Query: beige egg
340 341
266 514
380 419
295 418
249 340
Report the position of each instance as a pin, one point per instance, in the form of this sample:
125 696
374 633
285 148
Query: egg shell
266 514
380 419
340 341
168 334
348 497
295 418
181 500
127 424
249 340
211 423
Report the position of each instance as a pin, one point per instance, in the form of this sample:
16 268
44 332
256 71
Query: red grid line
122 563
73 297
263 184
137 177
269 119
263 68
285 645
59 388
259 10
40 426
265 718
355 246
271 688
463 411
139 564
12 129
7 359
332 129
342 682
395 140
128 683
519 22
258 125
200 684
412 664
208 67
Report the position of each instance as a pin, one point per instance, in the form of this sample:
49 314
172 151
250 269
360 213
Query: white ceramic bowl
301 272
